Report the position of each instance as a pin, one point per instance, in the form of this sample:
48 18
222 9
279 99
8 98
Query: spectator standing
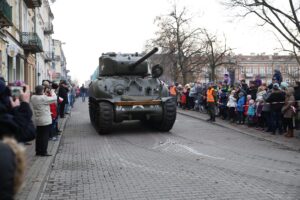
240 108
223 103
266 110
211 103
251 113
246 106
63 93
72 95
82 92
40 103
289 111
276 99
258 81
297 99
53 111
252 90
199 91
231 104
15 121
277 75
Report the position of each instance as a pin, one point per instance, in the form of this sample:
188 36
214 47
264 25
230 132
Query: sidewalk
38 167
291 143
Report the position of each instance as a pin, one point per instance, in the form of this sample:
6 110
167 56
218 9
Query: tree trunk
213 73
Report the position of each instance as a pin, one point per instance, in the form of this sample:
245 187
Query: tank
128 88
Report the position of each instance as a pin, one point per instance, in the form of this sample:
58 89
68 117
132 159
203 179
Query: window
262 70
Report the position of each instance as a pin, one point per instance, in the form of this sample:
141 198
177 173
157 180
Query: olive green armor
129 89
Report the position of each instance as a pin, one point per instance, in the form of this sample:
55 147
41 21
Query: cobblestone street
196 160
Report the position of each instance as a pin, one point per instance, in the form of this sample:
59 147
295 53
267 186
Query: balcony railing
49 56
57 58
33 3
31 42
5 14
48 28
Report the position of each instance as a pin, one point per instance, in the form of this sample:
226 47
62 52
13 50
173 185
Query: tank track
169 116
101 116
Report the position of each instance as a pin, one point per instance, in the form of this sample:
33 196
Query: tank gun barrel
142 59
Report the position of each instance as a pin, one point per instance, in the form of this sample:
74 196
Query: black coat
276 99
7 172
63 93
17 122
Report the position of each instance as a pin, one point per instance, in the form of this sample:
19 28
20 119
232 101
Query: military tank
128 88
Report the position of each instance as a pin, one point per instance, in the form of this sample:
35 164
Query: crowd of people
272 107
25 116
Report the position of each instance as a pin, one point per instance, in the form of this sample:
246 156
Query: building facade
247 67
59 65
26 45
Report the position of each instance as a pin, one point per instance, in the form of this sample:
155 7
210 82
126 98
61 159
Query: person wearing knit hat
284 85
16 126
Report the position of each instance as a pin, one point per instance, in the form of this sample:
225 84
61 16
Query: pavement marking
191 150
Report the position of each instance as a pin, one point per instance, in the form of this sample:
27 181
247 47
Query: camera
16 90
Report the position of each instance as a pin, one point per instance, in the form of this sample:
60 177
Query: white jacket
231 102
41 108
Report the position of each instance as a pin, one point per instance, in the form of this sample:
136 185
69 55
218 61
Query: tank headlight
119 90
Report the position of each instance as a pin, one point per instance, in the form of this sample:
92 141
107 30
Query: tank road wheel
92 111
104 117
169 116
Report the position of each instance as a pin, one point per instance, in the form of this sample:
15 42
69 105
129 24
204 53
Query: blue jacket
251 110
240 104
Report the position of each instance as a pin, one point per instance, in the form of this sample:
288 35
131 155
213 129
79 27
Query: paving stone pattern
197 160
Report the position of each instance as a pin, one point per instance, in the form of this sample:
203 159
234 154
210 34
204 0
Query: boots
290 133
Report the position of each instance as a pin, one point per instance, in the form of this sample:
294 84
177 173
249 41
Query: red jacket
53 109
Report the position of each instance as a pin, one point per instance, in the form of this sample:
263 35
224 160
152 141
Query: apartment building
247 67
59 65
26 45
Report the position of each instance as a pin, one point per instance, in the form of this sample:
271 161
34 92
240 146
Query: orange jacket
173 91
210 95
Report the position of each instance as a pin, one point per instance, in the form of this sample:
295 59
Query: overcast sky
91 27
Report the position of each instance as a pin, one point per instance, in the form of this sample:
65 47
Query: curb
38 186
260 135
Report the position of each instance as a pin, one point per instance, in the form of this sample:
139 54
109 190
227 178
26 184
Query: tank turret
128 88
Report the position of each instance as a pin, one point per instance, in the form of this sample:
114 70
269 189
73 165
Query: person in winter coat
15 123
252 90
297 98
63 93
246 106
251 113
276 99
223 103
277 75
231 105
12 168
240 108
40 103
289 111
211 103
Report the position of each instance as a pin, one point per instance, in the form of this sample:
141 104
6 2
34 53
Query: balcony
33 3
48 29
48 56
57 58
5 14
31 42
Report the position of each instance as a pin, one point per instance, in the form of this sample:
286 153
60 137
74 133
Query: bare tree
180 42
284 20
216 54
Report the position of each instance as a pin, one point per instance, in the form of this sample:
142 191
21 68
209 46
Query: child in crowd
251 113
231 106
246 107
